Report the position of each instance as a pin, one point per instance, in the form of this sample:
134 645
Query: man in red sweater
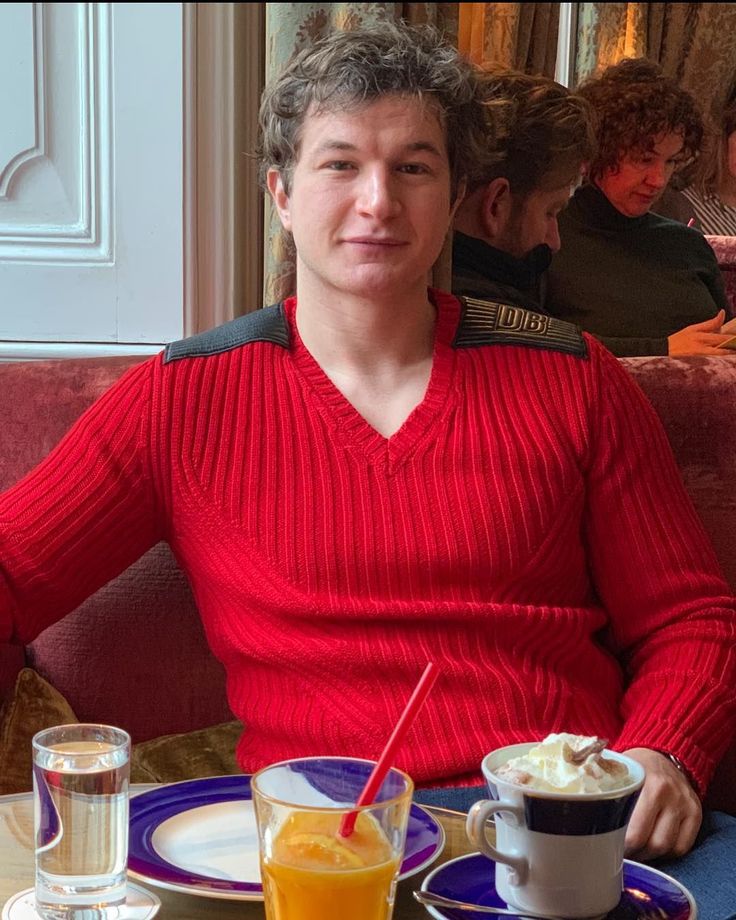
374 475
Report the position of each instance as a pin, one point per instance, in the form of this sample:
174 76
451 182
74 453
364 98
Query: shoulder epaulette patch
266 325
486 322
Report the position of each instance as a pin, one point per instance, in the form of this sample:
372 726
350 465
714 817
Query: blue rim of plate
471 878
425 837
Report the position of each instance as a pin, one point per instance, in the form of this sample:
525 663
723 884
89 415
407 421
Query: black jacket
480 270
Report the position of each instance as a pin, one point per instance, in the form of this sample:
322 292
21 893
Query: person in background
673 204
642 284
713 191
506 227
372 474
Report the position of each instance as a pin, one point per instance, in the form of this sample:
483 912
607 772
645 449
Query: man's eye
339 165
413 169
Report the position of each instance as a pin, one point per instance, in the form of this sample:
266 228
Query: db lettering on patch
516 319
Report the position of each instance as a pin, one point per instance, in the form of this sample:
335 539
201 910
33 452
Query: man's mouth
375 241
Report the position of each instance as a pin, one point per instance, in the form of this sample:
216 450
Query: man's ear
275 184
496 208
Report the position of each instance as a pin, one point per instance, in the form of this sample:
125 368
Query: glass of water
80 799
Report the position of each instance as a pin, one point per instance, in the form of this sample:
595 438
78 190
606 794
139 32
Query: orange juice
314 874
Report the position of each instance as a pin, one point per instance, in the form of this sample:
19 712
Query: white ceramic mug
559 853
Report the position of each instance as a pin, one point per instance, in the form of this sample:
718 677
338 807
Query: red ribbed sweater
526 528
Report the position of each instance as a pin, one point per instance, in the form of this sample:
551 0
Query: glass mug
309 871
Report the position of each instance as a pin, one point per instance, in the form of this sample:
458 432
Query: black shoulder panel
485 322
266 325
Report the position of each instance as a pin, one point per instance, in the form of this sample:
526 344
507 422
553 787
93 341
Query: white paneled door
91 142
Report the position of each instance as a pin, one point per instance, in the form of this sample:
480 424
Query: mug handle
475 827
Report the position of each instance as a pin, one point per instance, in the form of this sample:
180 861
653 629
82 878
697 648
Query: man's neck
467 221
351 334
377 351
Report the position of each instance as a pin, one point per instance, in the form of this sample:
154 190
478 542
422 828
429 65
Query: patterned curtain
694 42
289 26
518 35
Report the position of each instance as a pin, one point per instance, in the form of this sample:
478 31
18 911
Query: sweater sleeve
624 347
82 515
672 615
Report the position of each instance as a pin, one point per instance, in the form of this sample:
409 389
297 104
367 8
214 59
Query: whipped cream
551 766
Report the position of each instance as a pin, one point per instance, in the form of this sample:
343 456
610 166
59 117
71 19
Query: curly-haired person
643 284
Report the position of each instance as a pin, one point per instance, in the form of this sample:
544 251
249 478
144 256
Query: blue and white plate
199 837
648 894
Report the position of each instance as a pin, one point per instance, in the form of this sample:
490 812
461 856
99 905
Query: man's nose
553 236
377 195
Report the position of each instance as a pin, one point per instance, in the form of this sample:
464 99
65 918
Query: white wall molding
48 351
91 232
79 229
37 148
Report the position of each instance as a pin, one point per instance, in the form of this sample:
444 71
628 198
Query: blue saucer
199 837
648 894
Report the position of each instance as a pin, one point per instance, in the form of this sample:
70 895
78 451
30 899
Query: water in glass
81 811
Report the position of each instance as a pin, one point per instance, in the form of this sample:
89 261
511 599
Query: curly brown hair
633 104
542 131
348 69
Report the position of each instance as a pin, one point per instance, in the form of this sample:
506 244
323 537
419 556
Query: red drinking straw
375 780
691 222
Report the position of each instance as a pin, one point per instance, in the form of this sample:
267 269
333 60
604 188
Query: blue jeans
708 870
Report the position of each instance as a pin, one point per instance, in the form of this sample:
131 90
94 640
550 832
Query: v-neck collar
349 424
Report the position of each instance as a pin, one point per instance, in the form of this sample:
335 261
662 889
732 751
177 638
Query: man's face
640 178
369 204
534 221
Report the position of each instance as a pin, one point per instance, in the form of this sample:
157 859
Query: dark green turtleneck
631 281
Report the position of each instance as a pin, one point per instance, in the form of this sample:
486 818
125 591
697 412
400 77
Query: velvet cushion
695 398
207 752
725 250
32 706
135 655
41 400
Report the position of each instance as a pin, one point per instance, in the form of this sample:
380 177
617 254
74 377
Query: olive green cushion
32 705
171 758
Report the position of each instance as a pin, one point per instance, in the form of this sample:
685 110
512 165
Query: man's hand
701 339
667 816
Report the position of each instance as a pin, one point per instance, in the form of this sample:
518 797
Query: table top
17 868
